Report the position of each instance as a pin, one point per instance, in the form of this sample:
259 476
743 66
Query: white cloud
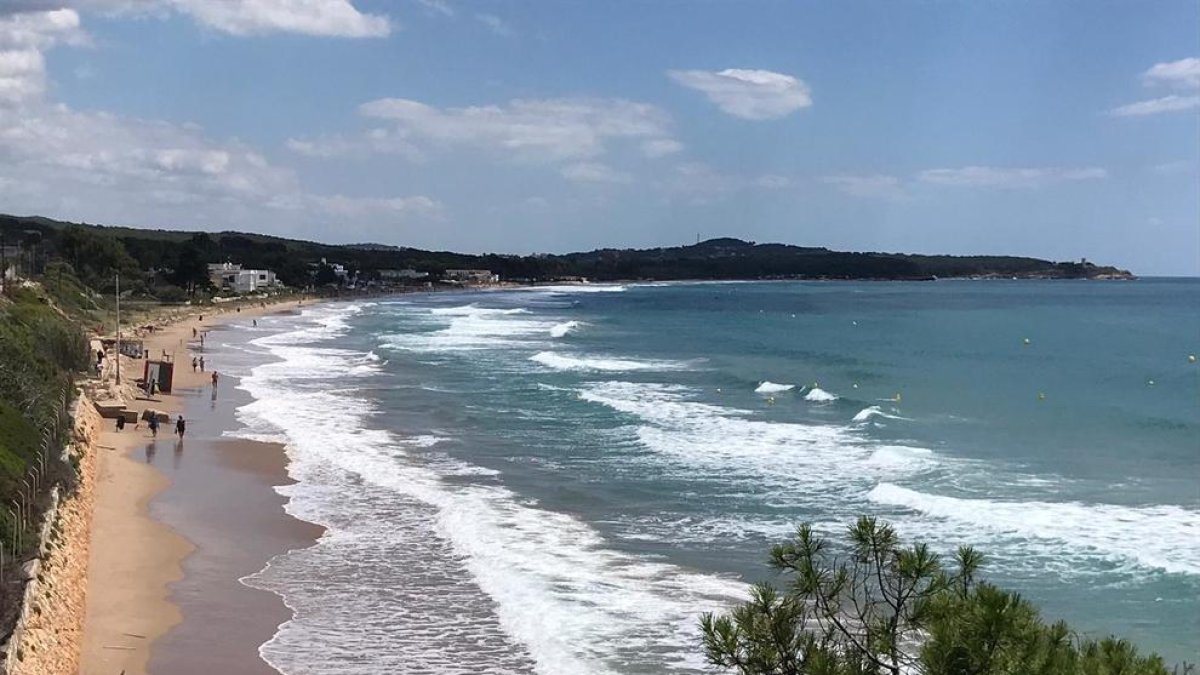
334 18
543 130
331 18
23 39
437 7
877 186
496 24
988 176
375 141
699 183
1173 168
94 165
594 172
748 94
661 147
1181 74
1154 106
22 75
342 205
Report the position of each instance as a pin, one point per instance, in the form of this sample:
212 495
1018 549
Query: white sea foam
560 361
819 395
791 464
1164 537
901 458
773 388
567 289
475 310
572 604
869 412
561 329
469 328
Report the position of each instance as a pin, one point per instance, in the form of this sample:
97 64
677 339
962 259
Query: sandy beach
177 523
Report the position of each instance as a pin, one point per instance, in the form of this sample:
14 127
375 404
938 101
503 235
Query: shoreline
145 552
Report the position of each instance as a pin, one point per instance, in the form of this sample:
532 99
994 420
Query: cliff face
49 634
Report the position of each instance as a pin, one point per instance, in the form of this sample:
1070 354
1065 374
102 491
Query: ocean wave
452 574
561 329
819 395
767 387
1161 537
467 328
794 464
559 361
872 411
476 310
567 289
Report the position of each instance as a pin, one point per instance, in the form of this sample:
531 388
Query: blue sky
1052 129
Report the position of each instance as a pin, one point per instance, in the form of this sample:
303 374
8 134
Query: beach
561 479
177 523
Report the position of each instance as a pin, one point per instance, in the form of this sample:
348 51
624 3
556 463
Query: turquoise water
560 480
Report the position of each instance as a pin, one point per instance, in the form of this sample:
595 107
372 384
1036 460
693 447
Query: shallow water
562 480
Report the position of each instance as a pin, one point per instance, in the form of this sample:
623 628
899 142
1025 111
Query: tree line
172 265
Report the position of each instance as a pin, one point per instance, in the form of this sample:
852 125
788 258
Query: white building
402 275
231 277
471 276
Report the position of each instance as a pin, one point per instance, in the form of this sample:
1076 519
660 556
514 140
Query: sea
563 479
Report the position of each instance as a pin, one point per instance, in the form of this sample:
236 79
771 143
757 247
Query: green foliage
325 275
40 348
876 607
96 257
191 266
181 255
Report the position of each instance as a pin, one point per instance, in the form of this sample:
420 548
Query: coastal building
229 276
10 258
340 272
402 275
471 277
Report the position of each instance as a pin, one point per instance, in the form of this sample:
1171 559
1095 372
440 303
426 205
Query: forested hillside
171 265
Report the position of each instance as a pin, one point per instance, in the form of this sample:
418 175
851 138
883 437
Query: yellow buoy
1191 358
1041 396
1026 340
855 385
1150 382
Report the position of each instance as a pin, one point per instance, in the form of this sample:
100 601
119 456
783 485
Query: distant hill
723 258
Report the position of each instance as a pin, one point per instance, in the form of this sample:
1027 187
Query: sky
1058 130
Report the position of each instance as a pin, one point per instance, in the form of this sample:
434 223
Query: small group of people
152 422
197 362
180 426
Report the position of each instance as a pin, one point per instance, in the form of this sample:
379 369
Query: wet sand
176 525
222 499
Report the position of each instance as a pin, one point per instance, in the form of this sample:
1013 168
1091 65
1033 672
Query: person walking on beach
202 364
214 379
154 424
180 427
194 364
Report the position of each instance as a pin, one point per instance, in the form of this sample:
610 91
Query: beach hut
161 372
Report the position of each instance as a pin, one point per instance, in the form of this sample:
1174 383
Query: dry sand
136 559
